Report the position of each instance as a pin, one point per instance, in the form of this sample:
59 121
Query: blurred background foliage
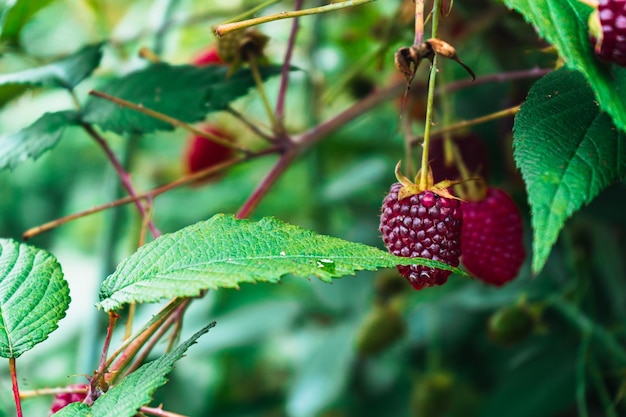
551 345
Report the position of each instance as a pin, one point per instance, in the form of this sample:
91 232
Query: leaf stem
254 69
284 76
423 179
467 123
121 172
16 389
225 28
252 126
168 119
129 348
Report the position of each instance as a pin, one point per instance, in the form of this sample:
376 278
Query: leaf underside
224 252
567 150
34 296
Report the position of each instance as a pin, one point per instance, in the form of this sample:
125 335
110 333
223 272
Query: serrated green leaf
136 390
33 297
34 140
223 252
64 73
76 409
184 92
18 15
563 23
568 151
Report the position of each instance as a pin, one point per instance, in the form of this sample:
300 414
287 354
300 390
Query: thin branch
158 411
534 72
168 119
281 166
467 123
284 76
419 22
52 391
121 172
252 126
187 179
225 28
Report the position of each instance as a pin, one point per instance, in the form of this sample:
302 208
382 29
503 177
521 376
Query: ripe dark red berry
61 400
203 153
492 238
423 225
607 31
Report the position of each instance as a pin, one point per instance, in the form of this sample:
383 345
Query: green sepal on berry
410 188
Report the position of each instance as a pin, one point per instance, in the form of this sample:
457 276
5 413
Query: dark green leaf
34 140
543 385
33 297
568 151
563 23
18 15
185 92
224 252
64 73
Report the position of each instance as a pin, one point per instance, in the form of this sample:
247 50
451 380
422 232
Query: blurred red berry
61 400
208 57
492 244
473 150
607 31
203 153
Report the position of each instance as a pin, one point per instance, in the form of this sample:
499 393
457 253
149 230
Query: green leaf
568 151
64 73
184 92
18 14
563 23
33 297
136 390
34 140
224 252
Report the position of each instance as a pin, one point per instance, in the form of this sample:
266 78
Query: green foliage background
291 349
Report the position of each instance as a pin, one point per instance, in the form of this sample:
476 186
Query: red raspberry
607 27
203 153
208 57
492 238
61 400
422 225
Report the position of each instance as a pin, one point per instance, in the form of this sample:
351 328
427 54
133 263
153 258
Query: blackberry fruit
424 225
492 238
607 31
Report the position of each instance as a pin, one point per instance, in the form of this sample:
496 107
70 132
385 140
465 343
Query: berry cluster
607 31
487 232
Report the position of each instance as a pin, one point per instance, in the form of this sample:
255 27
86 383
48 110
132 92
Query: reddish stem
260 192
284 76
16 389
122 174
